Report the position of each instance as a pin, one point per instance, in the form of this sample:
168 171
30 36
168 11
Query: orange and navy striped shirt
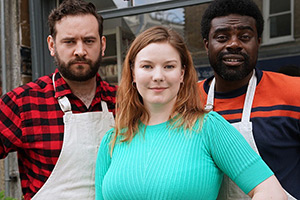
275 117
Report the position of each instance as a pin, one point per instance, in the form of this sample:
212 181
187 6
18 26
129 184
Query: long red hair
130 108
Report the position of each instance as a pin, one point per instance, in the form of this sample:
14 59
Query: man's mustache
232 52
81 59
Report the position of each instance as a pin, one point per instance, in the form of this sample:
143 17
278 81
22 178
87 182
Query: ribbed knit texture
168 163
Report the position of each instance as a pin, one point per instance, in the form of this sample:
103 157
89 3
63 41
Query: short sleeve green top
166 163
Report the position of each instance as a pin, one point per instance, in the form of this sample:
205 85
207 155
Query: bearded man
56 122
263 106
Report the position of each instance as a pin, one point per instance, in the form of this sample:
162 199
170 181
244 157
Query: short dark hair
219 8
73 7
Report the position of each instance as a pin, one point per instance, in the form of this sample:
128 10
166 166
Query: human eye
221 38
245 37
146 66
169 67
68 42
89 41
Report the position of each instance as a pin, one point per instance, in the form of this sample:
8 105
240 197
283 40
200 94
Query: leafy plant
2 196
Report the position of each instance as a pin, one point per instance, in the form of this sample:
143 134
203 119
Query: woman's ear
132 72
182 74
133 76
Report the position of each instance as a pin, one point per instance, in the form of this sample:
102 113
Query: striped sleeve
232 154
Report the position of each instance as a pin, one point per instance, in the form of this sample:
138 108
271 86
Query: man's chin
78 73
233 76
78 77
82 77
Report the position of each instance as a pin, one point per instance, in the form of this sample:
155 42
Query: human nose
79 50
234 44
158 74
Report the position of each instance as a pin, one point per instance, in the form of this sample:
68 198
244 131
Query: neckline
155 126
231 94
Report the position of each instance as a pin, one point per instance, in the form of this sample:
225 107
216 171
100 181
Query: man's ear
103 45
205 41
259 40
51 45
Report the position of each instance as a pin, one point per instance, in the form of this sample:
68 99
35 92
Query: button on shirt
31 123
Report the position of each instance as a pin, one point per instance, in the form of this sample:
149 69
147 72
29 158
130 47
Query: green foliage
2 196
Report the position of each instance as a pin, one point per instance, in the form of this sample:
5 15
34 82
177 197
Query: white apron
73 176
229 190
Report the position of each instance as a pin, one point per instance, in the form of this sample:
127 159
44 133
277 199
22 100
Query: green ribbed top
167 163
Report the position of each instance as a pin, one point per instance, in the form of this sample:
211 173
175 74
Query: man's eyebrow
226 29
73 38
220 30
68 38
89 37
245 28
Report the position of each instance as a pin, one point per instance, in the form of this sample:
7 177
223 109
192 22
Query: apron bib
229 190
73 176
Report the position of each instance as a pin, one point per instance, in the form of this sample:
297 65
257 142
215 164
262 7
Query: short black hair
73 7
219 8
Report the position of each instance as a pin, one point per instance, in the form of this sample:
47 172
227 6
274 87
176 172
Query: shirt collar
62 88
240 91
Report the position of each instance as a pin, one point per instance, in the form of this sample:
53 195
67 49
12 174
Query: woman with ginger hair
164 146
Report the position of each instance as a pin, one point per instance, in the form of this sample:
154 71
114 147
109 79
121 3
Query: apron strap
210 96
104 106
249 98
53 81
63 102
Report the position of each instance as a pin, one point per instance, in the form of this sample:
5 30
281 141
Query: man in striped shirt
263 106
56 122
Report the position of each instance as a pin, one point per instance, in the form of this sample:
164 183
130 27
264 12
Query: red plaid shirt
31 123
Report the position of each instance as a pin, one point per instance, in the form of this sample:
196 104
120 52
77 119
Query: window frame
148 8
267 40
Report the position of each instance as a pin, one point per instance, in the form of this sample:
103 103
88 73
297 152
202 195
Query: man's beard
68 73
231 73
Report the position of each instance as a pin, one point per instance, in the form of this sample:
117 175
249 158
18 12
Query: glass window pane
125 3
277 6
104 5
280 25
184 20
113 4
138 23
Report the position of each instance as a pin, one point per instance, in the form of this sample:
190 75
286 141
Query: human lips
80 62
158 89
233 60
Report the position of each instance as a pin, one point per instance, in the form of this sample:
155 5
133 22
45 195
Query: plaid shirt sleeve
10 124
